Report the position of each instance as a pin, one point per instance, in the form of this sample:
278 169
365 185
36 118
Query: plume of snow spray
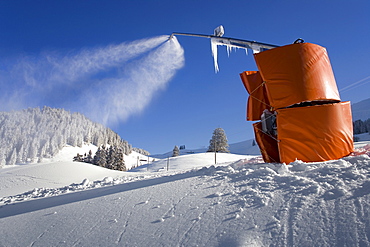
108 84
131 92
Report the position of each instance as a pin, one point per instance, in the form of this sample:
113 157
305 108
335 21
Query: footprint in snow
158 221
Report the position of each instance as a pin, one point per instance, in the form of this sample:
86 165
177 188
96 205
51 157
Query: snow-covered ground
363 138
239 202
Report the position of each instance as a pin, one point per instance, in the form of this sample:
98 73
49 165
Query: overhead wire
355 84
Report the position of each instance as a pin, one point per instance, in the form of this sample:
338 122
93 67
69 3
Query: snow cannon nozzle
171 36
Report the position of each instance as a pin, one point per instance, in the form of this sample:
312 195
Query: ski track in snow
241 203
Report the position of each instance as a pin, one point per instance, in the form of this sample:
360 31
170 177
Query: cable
349 87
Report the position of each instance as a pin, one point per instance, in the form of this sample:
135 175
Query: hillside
241 202
58 171
361 110
30 135
243 148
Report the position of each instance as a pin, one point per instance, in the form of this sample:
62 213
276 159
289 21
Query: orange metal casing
258 100
315 133
297 73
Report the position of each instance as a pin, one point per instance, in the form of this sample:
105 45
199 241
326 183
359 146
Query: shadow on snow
54 201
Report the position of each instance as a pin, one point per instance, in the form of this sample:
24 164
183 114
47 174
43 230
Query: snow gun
295 98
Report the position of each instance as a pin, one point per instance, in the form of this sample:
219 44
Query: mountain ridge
361 110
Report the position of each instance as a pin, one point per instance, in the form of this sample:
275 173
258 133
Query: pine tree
110 157
100 157
2 160
119 162
89 158
12 158
358 127
20 155
367 125
176 151
218 143
78 158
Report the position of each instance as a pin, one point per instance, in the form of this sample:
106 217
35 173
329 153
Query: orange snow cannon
295 96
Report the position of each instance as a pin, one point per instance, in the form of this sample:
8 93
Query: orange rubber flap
257 101
268 145
315 133
297 73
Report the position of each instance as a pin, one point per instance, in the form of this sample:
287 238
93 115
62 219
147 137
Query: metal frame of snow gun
231 41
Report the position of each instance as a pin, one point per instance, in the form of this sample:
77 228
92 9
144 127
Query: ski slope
239 202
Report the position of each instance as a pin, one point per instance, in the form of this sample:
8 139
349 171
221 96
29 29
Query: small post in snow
168 162
215 153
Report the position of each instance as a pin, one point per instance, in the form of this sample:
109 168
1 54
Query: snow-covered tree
360 126
78 158
141 151
175 151
33 149
218 142
20 156
12 158
37 133
118 160
110 158
100 158
2 160
89 158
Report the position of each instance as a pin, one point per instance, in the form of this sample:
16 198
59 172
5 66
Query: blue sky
186 110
